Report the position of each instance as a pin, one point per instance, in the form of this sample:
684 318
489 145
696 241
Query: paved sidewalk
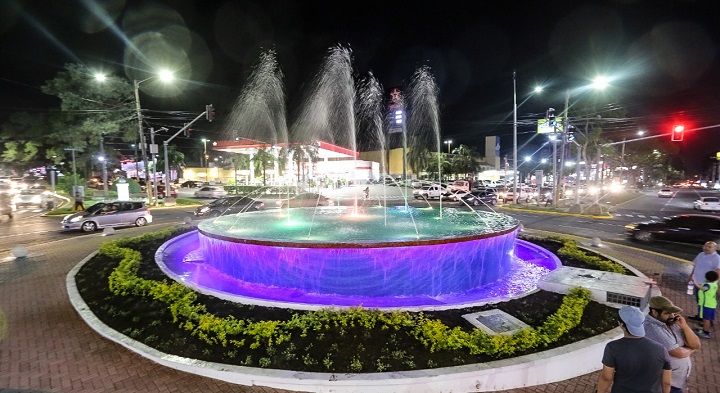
46 347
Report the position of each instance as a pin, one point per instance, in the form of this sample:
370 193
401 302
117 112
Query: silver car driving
108 214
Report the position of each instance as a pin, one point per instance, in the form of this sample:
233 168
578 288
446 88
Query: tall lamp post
515 137
448 142
205 155
165 76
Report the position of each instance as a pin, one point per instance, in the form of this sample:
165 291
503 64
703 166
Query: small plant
308 360
355 364
264 362
381 366
327 362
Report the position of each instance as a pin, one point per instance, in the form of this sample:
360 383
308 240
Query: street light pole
103 159
143 150
563 135
515 136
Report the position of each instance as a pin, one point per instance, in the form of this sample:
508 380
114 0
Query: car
228 205
479 197
31 197
666 193
707 203
431 192
107 215
686 228
210 192
162 192
306 199
192 184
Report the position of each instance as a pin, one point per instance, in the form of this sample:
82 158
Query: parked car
31 197
228 205
707 203
689 228
479 197
666 193
307 199
108 214
210 192
192 184
162 192
431 192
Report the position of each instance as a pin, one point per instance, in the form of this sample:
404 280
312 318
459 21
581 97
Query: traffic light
678 132
550 116
209 112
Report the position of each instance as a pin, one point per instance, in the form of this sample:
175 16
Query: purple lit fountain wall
429 268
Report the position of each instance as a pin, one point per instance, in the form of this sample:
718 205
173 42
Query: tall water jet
423 121
328 109
259 113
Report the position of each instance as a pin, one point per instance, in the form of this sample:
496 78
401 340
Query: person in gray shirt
666 326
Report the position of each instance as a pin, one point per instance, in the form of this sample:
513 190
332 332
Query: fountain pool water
347 256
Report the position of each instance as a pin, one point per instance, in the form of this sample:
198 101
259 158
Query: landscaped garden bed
125 289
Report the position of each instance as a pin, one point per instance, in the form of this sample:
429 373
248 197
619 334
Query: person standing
78 202
634 363
707 302
666 326
705 261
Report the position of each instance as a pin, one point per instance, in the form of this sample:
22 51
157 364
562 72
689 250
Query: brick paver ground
46 347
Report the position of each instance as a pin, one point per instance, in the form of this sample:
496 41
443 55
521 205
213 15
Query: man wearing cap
666 326
705 261
634 363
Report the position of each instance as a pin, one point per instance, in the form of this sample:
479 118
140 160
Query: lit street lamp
448 142
165 76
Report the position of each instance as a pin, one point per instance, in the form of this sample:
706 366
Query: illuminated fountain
381 256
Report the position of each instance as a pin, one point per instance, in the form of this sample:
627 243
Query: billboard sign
544 127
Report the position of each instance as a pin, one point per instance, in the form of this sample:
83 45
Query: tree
262 159
176 160
464 161
88 110
301 154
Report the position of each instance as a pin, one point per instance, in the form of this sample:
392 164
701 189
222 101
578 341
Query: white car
31 197
666 193
707 203
210 192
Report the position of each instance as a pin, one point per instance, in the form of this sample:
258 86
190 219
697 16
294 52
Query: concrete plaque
495 322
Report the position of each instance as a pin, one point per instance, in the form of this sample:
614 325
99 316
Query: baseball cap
664 304
633 319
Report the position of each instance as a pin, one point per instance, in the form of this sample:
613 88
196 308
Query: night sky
662 56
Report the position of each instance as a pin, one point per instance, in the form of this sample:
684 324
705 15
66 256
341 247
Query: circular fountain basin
346 256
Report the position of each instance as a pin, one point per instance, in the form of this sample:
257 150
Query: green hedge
229 331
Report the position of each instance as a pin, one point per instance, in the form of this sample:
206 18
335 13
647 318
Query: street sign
545 127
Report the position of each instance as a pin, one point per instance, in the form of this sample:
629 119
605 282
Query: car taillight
148 211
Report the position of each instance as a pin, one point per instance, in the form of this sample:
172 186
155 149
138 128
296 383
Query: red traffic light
678 132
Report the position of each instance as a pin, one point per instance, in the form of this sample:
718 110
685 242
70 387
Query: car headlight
630 226
204 209
75 219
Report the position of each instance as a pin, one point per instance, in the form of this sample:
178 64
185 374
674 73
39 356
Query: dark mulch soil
373 350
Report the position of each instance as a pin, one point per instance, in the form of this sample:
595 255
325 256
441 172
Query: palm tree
262 159
301 153
176 160
464 160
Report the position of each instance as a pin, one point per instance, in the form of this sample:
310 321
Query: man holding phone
666 326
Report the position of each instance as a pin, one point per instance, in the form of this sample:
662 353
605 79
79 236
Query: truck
430 192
